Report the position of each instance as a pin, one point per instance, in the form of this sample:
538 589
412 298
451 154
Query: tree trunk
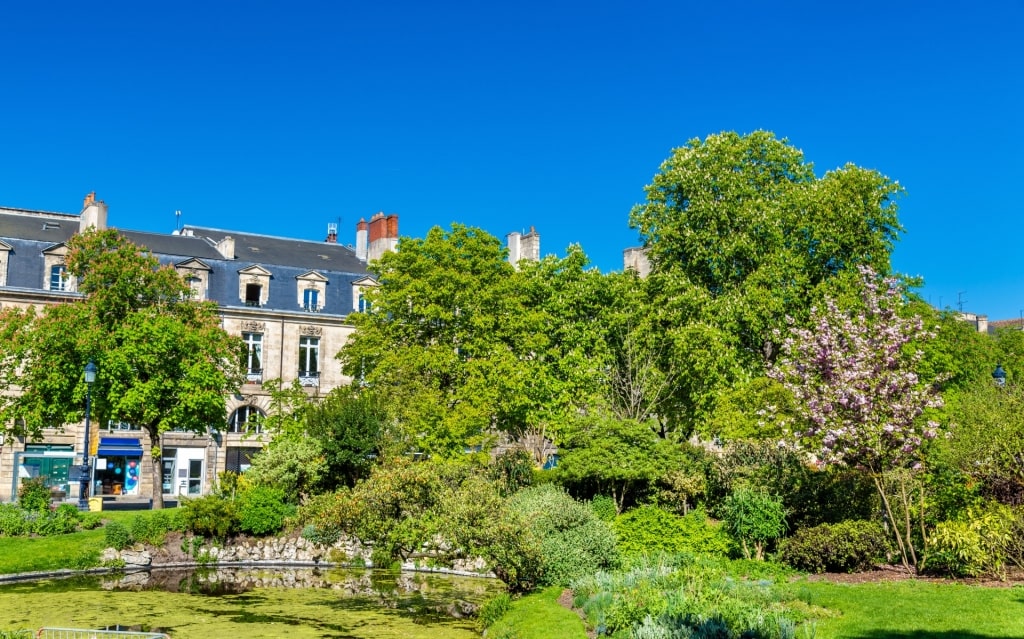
156 458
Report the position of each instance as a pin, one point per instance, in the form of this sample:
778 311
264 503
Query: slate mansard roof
30 233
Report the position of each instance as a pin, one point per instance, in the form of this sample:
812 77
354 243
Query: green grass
915 610
77 550
538 616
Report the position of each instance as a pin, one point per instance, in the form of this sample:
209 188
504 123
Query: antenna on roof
177 220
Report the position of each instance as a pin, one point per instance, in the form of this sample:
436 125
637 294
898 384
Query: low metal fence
82 633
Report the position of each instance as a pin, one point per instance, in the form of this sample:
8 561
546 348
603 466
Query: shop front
118 467
49 461
184 470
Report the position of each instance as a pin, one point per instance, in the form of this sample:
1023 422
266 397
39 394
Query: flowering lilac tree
859 401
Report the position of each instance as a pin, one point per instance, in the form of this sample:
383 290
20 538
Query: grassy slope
917 609
538 616
32 554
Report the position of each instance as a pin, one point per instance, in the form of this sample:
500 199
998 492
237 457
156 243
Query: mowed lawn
77 550
915 609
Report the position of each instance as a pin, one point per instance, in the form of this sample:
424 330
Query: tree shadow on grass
924 634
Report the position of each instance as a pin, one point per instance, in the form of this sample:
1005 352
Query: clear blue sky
281 117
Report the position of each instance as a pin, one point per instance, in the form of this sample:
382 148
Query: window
239 459
195 287
309 358
310 297
364 304
58 278
246 419
252 294
115 426
253 357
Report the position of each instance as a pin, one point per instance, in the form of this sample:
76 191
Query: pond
254 603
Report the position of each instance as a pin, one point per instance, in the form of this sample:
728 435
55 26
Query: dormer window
196 274
360 288
254 285
253 294
58 278
310 300
312 291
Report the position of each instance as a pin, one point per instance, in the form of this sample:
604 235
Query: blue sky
281 117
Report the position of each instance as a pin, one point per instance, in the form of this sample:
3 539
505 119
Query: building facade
287 299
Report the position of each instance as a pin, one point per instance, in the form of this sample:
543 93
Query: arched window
246 419
58 278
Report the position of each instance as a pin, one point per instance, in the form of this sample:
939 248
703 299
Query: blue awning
119 447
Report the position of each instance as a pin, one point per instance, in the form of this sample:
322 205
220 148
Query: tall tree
741 234
463 346
164 361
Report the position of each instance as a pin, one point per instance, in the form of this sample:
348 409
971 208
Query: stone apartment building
287 299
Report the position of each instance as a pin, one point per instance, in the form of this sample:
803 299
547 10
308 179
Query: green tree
741 235
349 426
609 456
164 361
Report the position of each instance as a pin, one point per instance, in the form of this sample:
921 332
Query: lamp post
83 486
999 375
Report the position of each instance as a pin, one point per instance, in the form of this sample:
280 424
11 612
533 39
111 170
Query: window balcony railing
255 303
254 376
309 378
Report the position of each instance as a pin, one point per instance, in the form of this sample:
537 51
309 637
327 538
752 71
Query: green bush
649 529
670 596
118 536
12 521
604 507
573 541
754 518
848 546
262 510
492 610
62 521
211 516
152 529
976 544
512 470
34 495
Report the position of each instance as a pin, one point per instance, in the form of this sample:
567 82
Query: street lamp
83 486
999 375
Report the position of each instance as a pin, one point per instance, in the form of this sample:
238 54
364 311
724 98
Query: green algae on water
255 604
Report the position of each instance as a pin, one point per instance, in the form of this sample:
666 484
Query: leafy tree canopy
164 361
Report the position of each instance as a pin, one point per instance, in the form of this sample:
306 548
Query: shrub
262 510
573 541
649 529
975 544
152 529
848 546
118 536
492 610
34 495
211 516
62 521
604 507
12 521
512 470
754 518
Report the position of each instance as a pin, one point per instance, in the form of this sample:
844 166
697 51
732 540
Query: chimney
332 233
361 240
636 259
94 213
383 235
523 247
512 240
226 247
